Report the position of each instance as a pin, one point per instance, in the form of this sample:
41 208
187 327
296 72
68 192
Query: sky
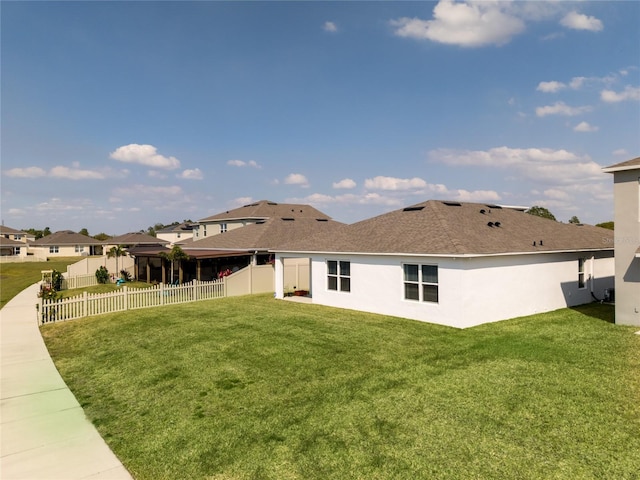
117 116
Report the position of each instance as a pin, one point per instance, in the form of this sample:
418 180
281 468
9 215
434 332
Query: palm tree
175 255
117 252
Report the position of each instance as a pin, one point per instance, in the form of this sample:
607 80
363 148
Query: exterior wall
63 251
213 228
174 237
472 291
626 186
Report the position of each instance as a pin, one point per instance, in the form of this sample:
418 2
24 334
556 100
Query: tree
84 232
116 252
46 232
608 225
574 219
102 236
541 212
175 255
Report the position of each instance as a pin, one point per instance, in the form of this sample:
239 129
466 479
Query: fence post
126 297
161 293
39 311
195 289
85 302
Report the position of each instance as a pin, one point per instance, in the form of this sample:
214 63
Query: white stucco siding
472 291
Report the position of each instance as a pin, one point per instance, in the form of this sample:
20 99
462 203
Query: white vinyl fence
79 281
128 299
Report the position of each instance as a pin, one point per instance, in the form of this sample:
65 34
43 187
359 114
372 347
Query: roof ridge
458 246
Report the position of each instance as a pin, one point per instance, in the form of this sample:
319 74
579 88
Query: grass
15 277
102 288
256 388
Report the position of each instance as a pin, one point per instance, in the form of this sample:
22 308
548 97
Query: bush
125 275
102 275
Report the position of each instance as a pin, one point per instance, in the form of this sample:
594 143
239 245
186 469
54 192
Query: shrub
102 275
125 275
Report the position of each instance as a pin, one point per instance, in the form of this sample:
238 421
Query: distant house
456 264
176 233
249 233
626 189
66 243
14 242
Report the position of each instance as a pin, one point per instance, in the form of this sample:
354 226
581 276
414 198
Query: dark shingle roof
628 165
182 227
451 228
267 209
135 238
4 230
267 234
66 237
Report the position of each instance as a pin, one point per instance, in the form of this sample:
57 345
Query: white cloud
577 82
471 24
543 164
240 201
296 179
561 108
550 87
629 93
475 196
585 127
146 155
192 174
28 172
330 27
150 191
391 183
620 152
345 183
579 21
556 194
242 163
75 173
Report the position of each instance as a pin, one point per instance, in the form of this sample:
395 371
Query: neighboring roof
265 235
183 227
66 237
7 242
453 228
154 251
267 209
628 165
135 238
4 230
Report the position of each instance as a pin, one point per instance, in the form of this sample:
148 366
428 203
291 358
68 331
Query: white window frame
54 249
421 283
79 248
341 275
223 228
582 268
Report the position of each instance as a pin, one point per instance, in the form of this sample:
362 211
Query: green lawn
15 277
253 387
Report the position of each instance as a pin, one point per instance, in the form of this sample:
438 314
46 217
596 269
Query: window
79 248
421 282
16 250
581 283
53 249
223 227
339 275
17 237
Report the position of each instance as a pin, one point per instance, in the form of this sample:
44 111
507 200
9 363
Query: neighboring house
252 213
176 233
14 242
456 264
626 190
66 243
256 229
133 240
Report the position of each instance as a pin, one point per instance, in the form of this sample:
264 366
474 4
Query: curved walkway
44 432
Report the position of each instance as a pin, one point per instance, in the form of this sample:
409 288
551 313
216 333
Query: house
14 242
66 243
251 232
176 233
626 190
456 264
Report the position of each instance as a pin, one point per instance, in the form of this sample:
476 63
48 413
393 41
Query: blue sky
120 115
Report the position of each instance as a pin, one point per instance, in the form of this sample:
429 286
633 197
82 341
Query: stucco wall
627 240
472 291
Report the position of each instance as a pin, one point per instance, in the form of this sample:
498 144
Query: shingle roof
4 230
7 242
66 237
451 228
267 209
628 165
182 227
267 234
135 238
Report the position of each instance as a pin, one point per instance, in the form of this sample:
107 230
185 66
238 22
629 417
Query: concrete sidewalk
44 433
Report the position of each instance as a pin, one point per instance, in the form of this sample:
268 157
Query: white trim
438 255
620 169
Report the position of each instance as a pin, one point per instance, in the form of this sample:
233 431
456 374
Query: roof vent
490 224
483 211
540 242
288 219
260 222
322 220
271 203
413 209
497 224
534 243
452 204
494 206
